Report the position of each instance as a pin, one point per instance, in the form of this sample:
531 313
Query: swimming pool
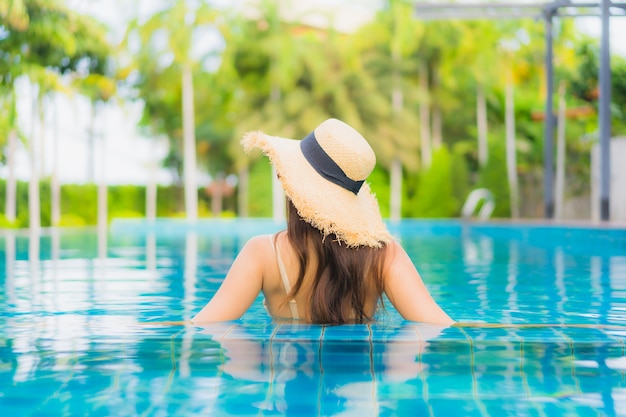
82 333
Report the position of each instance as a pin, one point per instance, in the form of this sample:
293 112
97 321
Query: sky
123 154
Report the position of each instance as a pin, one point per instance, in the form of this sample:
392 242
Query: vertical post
548 146
511 163
90 145
55 187
605 114
103 213
560 156
189 146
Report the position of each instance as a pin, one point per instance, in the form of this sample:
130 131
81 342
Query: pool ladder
474 199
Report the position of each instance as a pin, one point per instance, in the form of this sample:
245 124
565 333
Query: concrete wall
617 197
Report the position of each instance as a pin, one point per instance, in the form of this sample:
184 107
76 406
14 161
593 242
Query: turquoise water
82 332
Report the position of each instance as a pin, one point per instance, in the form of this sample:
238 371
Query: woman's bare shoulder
259 245
392 250
262 246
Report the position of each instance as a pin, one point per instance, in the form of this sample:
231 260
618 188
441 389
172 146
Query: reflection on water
233 370
79 329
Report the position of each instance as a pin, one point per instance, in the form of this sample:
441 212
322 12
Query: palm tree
404 33
46 39
16 19
167 34
480 56
99 89
388 45
44 82
287 81
511 162
9 130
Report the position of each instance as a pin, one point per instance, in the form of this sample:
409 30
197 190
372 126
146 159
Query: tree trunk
151 188
33 185
189 146
481 125
560 156
437 126
55 188
424 109
102 184
91 146
217 197
42 136
11 187
242 192
511 163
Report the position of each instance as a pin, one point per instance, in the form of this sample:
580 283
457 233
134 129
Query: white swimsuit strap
283 275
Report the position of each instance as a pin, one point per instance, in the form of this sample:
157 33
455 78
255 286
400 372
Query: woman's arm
406 290
240 287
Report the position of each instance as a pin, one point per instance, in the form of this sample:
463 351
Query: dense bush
436 194
260 189
79 203
493 177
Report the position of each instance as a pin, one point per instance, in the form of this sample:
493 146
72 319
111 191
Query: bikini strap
283 276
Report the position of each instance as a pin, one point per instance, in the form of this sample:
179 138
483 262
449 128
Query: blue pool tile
388 333
348 332
505 335
430 333
616 334
262 332
297 331
295 356
587 335
540 334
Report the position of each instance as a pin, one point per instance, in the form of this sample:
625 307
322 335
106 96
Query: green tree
387 45
41 40
320 75
162 48
436 194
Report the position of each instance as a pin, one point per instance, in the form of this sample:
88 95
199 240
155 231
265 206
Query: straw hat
324 176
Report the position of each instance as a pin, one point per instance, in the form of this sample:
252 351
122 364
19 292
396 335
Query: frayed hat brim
353 218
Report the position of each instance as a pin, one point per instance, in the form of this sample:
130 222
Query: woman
336 258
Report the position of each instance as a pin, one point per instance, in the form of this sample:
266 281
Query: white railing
474 199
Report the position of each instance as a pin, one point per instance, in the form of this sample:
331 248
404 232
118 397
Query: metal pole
605 114
548 146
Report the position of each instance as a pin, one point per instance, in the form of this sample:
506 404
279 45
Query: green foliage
460 177
410 186
284 77
80 200
47 34
260 190
79 203
436 193
126 201
5 223
379 184
493 177
169 200
584 83
72 220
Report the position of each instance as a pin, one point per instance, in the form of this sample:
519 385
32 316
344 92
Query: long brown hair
343 277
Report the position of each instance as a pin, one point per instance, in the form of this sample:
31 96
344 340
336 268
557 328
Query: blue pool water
82 328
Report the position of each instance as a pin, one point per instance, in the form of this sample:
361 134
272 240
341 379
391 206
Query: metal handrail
476 197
